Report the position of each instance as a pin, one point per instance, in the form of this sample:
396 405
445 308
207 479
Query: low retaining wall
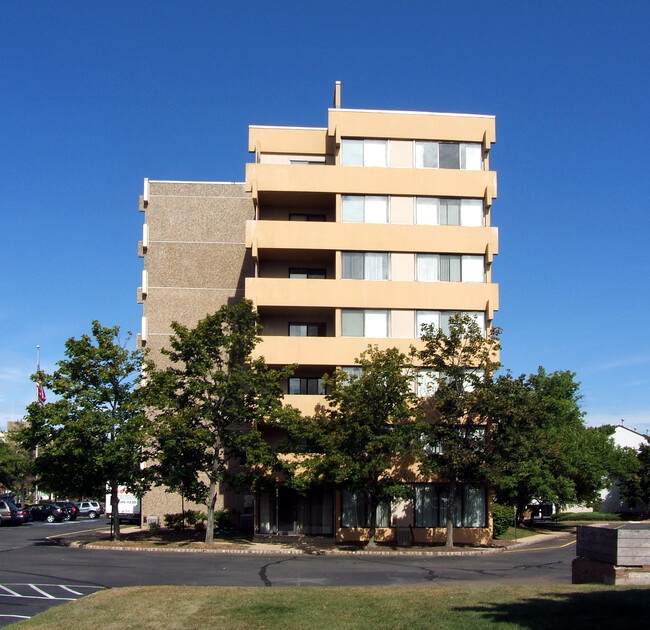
612 555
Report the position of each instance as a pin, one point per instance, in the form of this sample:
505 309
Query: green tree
454 433
16 467
359 440
209 404
540 445
92 435
635 480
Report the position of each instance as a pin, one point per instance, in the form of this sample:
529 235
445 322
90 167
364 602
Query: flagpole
37 495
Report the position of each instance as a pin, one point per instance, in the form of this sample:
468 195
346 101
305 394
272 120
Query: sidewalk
271 545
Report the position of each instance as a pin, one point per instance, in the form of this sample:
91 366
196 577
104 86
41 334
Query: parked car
70 510
91 509
47 512
8 512
23 515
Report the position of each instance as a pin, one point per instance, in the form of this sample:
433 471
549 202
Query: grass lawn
334 608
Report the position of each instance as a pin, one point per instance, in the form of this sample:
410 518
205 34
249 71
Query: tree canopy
635 481
356 441
208 406
460 363
93 434
542 449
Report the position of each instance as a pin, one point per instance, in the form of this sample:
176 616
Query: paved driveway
36 574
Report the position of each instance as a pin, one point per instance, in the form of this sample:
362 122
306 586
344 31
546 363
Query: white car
91 509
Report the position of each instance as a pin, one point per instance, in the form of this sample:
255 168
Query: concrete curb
271 550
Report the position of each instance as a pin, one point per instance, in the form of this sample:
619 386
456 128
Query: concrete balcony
463 296
323 351
328 236
362 180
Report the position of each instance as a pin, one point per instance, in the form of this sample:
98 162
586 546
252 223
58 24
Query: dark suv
70 510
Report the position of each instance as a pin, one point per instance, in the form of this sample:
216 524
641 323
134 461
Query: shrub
191 518
154 528
586 516
174 521
222 519
502 517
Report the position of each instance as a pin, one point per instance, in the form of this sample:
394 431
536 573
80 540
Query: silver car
91 509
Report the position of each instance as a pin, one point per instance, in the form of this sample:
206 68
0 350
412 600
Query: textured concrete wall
196 261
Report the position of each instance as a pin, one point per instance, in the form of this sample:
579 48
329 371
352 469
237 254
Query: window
364 323
355 510
431 506
427 382
426 317
300 385
298 329
364 152
353 371
456 155
450 268
300 272
364 266
306 217
433 211
368 209
440 319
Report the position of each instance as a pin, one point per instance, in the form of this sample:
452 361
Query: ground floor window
355 510
431 504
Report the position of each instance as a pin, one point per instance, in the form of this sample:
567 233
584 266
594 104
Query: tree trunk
451 503
373 520
115 515
211 502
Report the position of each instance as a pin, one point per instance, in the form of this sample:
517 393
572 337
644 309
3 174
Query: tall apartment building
352 234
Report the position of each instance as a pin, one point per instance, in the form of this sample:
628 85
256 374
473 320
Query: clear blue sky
96 96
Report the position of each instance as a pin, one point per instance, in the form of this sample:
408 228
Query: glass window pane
479 318
473 269
471 158
471 212
376 266
444 321
428 267
375 153
376 324
427 382
349 517
450 212
352 263
353 371
352 323
352 209
294 385
449 155
426 317
425 504
352 152
426 211
426 155
297 330
474 507
450 268
376 210
454 268
315 330
382 515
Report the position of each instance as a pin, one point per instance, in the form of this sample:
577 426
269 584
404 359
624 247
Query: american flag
40 392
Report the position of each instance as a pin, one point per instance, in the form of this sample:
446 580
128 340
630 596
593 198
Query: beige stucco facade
399 198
